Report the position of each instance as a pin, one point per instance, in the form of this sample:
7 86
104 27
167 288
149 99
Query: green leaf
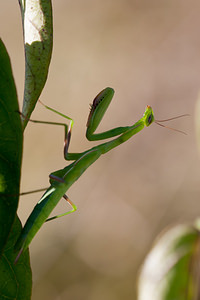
171 269
10 147
38 42
15 280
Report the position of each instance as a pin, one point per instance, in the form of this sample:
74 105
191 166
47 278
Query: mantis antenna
173 118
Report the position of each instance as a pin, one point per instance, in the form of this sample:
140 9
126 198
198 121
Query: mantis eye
150 119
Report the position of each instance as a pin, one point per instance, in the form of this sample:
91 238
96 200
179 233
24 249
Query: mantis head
148 116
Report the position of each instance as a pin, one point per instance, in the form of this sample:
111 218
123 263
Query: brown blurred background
149 52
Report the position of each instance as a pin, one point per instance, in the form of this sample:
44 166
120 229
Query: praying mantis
61 180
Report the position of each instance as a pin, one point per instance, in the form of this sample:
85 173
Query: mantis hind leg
67 128
68 131
74 208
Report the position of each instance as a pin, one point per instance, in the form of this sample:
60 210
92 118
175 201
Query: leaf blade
38 43
11 139
15 285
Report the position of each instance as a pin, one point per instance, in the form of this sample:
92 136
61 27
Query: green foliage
10 147
13 284
17 278
171 269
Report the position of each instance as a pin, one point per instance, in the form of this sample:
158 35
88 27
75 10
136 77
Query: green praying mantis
61 180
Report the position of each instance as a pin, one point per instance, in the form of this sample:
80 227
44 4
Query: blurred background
149 52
